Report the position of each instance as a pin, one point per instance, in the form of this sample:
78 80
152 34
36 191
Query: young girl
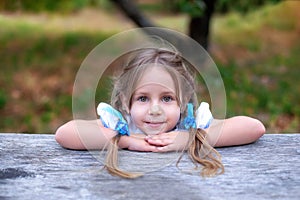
154 109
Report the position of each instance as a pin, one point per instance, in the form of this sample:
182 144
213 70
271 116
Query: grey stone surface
36 167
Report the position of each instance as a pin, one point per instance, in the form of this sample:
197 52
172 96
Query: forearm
82 134
126 141
237 130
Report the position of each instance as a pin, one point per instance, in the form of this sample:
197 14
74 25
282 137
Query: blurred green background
43 44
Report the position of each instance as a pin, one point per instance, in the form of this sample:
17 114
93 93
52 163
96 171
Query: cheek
175 115
136 113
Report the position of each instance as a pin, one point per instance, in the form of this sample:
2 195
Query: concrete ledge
36 167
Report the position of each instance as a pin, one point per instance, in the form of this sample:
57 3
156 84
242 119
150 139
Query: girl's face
154 105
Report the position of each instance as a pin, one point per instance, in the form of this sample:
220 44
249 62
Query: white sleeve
203 116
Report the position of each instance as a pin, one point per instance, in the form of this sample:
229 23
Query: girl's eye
167 99
142 99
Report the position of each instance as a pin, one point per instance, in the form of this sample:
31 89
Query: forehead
156 75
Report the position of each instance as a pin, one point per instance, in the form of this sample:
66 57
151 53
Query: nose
155 110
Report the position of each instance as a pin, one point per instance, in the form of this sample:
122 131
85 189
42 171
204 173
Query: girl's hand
136 142
170 141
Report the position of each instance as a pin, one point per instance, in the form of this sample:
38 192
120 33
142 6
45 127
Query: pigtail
201 152
112 161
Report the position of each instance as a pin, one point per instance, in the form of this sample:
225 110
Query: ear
125 103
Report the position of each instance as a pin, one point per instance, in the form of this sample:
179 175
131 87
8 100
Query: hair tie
189 121
122 128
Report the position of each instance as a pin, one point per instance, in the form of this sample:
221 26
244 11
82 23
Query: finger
161 137
152 148
145 148
168 148
164 148
160 142
155 142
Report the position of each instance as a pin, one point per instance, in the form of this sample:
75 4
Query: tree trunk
132 12
199 26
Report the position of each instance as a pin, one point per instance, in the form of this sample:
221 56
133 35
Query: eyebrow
169 93
146 93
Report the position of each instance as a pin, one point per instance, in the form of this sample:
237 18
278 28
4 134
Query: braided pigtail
201 152
113 119
112 161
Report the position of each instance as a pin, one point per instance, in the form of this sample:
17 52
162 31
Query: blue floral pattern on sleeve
111 118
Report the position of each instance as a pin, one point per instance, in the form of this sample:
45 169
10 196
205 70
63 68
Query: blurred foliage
191 7
242 6
38 71
256 53
64 6
196 7
3 98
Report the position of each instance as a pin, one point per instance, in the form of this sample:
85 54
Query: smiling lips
154 124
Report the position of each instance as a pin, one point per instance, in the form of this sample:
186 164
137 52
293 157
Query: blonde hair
199 150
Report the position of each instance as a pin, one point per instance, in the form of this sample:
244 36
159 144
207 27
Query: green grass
261 64
38 71
270 86
257 55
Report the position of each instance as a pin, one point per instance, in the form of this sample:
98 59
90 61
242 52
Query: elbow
67 137
258 129
60 136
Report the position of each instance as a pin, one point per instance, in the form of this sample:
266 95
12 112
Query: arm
83 134
237 130
229 132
